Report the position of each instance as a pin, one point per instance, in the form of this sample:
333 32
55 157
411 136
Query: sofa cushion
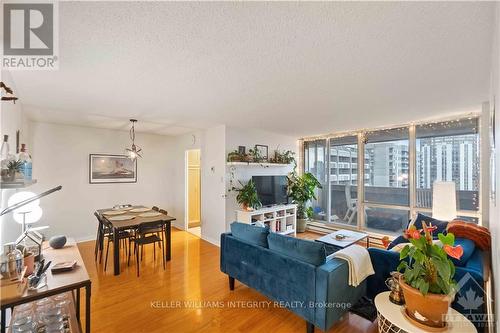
468 246
250 233
441 225
479 235
304 250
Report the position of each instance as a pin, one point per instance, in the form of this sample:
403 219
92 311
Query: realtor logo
29 35
471 302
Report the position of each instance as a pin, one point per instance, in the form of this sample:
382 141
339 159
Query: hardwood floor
191 295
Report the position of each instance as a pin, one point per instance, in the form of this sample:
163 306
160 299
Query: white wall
12 118
213 163
494 224
61 157
249 137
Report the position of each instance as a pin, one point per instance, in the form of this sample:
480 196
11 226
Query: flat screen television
271 189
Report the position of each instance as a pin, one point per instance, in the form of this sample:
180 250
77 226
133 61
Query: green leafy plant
285 157
425 264
247 195
234 156
255 155
15 166
302 189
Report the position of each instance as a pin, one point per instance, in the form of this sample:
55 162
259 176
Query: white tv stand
280 218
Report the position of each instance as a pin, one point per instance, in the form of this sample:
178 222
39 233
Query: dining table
133 223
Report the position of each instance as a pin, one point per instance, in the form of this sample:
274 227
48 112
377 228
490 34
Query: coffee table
391 319
352 237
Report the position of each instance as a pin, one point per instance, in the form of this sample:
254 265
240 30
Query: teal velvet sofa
317 291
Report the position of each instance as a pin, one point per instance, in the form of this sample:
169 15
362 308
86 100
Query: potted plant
9 175
285 157
247 196
427 279
29 259
302 189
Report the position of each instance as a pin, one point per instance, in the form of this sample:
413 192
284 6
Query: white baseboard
210 240
178 226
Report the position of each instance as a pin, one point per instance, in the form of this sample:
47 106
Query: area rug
365 308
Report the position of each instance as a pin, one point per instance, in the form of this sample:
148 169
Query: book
64 266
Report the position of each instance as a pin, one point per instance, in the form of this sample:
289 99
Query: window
448 151
392 171
314 157
387 157
343 179
387 154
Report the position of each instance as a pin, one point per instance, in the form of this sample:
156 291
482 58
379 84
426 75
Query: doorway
193 192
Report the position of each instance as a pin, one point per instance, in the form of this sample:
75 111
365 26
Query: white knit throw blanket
360 265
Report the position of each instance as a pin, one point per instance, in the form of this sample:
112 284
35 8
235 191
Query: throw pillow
250 233
468 246
441 225
311 252
479 235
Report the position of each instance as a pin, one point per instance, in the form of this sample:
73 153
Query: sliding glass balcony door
386 190
343 174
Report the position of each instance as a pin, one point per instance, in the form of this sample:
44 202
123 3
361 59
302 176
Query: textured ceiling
295 68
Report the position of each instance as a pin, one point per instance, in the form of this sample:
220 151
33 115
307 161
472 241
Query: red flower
411 233
454 251
430 228
415 234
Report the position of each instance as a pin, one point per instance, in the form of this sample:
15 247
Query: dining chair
105 231
144 236
99 237
160 230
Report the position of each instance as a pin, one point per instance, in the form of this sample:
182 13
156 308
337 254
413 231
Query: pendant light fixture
134 151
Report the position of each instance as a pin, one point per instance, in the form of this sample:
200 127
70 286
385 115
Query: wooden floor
191 295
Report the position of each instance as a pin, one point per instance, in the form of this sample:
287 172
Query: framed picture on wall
263 151
106 168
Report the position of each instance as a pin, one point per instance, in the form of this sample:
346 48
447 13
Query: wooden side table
392 320
56 284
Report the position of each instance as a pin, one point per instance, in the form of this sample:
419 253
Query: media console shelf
280 218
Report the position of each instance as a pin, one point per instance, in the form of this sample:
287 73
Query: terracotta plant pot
246 208
301 225
429 310
29 262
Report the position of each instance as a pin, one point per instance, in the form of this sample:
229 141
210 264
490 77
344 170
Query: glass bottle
5 155
15 260
25 158
4 266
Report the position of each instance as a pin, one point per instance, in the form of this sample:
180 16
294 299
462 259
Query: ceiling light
134 151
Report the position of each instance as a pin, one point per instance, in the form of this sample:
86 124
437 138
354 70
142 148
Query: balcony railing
387 220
